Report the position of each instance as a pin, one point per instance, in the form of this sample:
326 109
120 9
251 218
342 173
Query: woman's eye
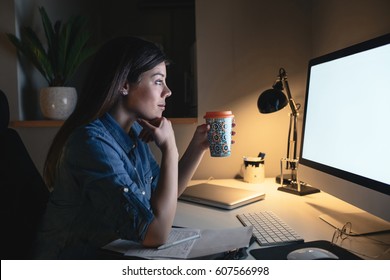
159 82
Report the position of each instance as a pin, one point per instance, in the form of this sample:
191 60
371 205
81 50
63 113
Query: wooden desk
300 212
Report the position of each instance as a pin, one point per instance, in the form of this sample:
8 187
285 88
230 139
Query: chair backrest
23 192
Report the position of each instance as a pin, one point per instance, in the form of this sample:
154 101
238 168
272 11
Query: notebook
220 196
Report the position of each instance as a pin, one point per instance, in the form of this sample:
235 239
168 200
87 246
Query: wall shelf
52 123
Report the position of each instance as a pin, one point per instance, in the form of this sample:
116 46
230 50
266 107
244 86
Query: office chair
23 192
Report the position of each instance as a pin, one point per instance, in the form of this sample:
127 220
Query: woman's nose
167 92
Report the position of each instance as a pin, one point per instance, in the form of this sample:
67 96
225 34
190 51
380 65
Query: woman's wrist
170 150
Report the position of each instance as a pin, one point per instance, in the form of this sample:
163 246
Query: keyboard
269 229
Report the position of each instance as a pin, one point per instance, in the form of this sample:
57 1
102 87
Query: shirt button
126 189
143 192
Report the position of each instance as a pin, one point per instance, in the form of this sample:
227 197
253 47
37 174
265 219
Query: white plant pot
57 103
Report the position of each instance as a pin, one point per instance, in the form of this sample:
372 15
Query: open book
211 241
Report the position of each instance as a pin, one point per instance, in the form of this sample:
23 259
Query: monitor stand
362 222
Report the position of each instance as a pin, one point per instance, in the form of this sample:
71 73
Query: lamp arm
295 137
290 128
291 101
295 186
292 141
292 134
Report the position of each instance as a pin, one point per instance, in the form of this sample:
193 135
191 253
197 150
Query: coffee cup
220 133
253 170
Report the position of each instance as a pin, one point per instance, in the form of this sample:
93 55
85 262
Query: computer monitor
345 144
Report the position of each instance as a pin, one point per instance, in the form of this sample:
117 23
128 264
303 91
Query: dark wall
166 22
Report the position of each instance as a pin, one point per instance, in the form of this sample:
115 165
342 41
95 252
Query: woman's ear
125 89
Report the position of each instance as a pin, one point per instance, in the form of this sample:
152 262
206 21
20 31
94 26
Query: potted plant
67 49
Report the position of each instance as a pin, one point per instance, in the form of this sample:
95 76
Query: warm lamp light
273 100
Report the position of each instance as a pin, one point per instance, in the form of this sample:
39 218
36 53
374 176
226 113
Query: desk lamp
273 100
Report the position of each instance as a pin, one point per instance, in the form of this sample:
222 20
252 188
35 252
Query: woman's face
146 99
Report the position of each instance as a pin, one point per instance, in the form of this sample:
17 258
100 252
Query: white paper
179 251
211 241
215 241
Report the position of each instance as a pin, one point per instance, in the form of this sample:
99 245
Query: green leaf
78 44
32 49
66 47
47 26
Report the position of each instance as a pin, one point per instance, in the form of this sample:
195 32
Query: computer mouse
311 253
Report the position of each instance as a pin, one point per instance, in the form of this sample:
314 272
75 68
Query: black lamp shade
271 100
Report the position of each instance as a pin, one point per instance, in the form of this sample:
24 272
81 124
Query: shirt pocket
148 177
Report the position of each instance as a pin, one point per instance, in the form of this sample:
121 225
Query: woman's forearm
192 156
164 200
188 165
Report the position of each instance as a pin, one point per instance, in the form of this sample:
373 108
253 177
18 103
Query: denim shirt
102 191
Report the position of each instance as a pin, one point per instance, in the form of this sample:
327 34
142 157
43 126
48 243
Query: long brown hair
119 60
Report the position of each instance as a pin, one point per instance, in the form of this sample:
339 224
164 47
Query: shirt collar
117 132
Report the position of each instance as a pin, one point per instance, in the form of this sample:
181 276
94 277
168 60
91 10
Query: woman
105 181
